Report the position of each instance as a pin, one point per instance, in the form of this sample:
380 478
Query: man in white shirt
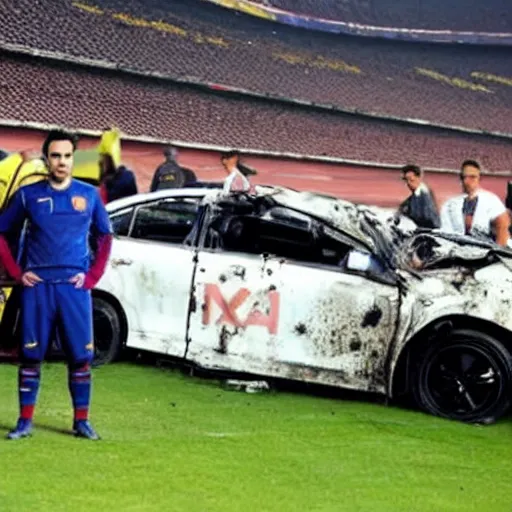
477 212
236 180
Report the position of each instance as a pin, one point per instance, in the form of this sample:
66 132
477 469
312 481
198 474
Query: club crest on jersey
79 203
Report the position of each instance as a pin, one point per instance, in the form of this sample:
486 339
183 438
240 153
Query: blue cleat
82 428
23 429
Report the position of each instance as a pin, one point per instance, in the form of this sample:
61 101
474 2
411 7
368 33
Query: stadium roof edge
406 35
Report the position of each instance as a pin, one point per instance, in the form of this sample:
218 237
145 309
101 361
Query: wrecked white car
306 287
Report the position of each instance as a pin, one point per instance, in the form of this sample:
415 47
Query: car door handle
116 262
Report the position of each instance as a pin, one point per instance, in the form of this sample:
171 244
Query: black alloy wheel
466 378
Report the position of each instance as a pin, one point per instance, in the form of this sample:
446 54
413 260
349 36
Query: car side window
279 232
166 221
121 222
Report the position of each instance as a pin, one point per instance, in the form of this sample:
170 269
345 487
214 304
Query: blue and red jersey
55 242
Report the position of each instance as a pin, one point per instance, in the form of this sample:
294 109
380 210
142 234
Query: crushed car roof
359 221
380 230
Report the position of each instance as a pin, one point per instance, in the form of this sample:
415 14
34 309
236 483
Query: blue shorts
49 309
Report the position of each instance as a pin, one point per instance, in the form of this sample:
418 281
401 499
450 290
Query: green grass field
173 442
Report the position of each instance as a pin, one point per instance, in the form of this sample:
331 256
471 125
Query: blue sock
28 388
80 389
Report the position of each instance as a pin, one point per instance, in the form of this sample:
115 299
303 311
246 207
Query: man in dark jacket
170 174
420 206
116 182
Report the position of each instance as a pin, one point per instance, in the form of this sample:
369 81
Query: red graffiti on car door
229 308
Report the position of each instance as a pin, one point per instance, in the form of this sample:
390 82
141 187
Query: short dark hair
169 150
230 154
411 168
472 163
59 135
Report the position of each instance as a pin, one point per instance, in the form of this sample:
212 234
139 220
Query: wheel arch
113 301
399 382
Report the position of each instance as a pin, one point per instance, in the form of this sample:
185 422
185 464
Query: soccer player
56 270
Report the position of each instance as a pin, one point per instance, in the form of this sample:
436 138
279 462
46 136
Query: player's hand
78 280
30 279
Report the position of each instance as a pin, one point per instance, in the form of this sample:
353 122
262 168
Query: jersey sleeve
496 207
100 220
12 218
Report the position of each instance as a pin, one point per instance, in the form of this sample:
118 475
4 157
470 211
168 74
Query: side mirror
359 261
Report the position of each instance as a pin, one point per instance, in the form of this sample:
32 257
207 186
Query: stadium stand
56 93
457 15
190 39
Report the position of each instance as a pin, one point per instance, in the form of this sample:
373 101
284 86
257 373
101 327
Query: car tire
466 377
107 332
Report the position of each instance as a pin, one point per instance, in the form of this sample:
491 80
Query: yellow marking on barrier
217 41
131 20
456 82
335 65
290 58
160 25
317 62
489 77
88 8
198 38
163 26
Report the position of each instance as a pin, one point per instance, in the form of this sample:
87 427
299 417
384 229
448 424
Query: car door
234 316
334 325
150 272
232 313
288 306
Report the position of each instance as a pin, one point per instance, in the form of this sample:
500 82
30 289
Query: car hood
435 249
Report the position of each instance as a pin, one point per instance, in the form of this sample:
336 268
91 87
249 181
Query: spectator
420 206
116 181
237 180
477 212
170 174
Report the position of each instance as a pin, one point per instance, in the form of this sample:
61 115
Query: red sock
27 412
81 414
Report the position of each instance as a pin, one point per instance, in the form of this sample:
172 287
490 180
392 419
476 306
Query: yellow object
110 144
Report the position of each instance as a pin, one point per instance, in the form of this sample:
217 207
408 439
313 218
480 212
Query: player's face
470 179
60 160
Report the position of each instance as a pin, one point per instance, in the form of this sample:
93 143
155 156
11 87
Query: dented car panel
484 294
263 284
334 320
237 312
270 316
